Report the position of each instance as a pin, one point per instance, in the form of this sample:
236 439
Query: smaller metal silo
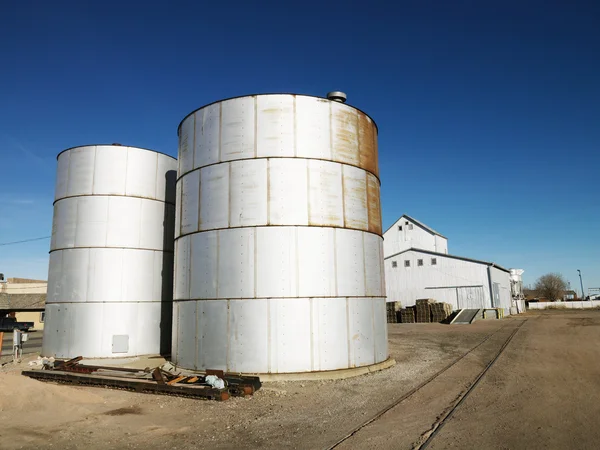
111 254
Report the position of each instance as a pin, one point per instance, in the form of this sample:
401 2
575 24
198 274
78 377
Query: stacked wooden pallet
424 310
407 315
392 310
440 311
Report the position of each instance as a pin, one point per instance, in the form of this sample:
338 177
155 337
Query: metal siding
248 336
213 339
65 219
186 344
75 274
248 193
190 188
356 214
62 176
206 149
236 263
313 131
380 329
344 134
138 274
350 273
276 262
110 170
360 332
186 146
330 333
182 268
290 335
178 209
288 192
54 277
204 248
92 221
326 202
271 226
275 125
214 197
316 262
373 205
373 267
124 222
81 171
153 226
141 173
237 129
108 273
166 174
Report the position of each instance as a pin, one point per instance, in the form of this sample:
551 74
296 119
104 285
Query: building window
399 227
419 262
406 263
42 316
410 226
433 261
394 264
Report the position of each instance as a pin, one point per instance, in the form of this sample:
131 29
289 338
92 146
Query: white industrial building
417 265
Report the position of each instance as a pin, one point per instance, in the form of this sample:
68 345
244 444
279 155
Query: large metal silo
111 255
278 250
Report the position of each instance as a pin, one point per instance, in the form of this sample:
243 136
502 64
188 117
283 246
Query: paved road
33 345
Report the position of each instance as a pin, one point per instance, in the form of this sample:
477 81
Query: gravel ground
317 414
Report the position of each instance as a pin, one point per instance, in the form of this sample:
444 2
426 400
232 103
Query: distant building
417 265
24 299
570 295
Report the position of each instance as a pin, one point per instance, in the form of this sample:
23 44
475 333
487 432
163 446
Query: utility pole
581 280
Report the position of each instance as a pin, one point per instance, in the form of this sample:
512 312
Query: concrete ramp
466 316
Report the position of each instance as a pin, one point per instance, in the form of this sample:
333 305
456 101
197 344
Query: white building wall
396 240
439 281
441 244
503 279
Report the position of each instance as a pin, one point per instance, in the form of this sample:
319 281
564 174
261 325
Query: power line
25 240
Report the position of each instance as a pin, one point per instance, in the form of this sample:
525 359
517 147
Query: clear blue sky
489 116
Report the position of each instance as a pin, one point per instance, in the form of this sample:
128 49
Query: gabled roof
445 255
22 302
417 223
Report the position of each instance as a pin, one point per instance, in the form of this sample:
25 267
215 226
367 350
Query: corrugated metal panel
207 136
313 128
326 204
275 125
290 336
237 129
276 262
81 171
204 265
110 170
214 197
248 336
190 190
288 192
330 333
141 173
213 336
248 193
186 145
355 198
361 332
316 262
62 175
236 263
350 263
344 134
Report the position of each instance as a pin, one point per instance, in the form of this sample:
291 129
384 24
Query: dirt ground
542 392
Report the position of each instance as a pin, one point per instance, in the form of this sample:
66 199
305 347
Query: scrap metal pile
211 384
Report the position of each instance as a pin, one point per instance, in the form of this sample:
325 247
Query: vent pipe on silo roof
337 96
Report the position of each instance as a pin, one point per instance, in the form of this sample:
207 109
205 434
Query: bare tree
551 286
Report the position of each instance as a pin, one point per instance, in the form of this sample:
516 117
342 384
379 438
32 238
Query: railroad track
439 425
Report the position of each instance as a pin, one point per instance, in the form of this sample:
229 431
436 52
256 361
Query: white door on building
470 297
